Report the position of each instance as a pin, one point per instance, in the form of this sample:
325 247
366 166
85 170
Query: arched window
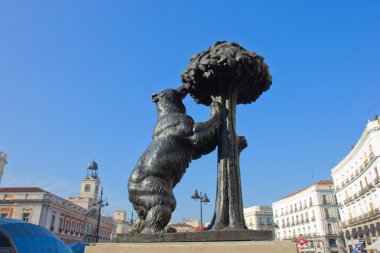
360 232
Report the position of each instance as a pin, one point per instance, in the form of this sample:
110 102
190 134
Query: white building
356 180
122 226
3 162
259 217
310 213
70 221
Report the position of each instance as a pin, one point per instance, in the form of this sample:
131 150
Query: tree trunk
229 204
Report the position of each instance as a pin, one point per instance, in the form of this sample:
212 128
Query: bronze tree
228 74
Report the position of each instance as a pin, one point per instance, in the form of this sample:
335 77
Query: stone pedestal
203 236
196 247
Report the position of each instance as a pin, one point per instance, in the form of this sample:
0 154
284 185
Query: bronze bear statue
176 141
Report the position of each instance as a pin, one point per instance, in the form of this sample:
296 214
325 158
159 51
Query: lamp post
102 203
202 199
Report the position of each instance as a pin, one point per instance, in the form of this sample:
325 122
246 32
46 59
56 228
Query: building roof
370 127
321 182
21 189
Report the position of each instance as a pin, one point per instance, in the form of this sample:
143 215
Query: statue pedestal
203 236
198 247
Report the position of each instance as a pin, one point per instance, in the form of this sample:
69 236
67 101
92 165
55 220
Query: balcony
362 218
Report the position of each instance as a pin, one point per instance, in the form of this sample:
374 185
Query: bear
175 142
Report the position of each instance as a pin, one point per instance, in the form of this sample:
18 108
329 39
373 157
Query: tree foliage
224 67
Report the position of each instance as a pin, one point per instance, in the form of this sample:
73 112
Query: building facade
72 221
357 182
259 217
3 162
311 213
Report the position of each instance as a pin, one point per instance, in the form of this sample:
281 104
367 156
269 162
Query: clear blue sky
76 79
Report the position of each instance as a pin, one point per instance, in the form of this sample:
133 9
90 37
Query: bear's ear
182 90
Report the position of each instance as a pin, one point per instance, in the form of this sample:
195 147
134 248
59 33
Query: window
269 221
310 201
332 242
324 200
52 222
327 215
87 187
61 223
4 215
67 224
72 228
329 228
25 217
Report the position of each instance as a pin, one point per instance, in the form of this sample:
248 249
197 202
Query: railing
362 218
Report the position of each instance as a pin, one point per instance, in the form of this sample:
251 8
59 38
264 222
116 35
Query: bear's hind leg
157 219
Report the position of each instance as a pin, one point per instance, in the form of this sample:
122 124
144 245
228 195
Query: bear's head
170 101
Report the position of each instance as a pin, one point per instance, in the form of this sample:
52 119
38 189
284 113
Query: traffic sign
302 241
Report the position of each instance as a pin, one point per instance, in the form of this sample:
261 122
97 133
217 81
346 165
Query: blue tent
29 238
78 247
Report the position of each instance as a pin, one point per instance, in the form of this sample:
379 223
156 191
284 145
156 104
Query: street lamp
202 199
102 203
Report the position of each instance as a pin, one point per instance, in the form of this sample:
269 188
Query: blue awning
29 238
357 247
